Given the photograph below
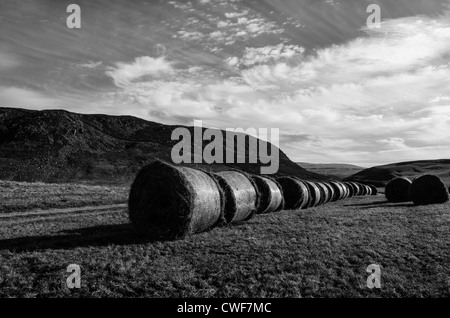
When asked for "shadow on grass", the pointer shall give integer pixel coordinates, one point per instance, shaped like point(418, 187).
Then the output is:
point(385, 204)
point(120, 234)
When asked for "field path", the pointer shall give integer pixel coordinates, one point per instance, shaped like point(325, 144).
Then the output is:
point(51, 214)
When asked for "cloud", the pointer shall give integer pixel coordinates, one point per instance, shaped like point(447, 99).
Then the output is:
point(26, 98)
point(91, 64)
point(125, 73)
point(8, 61)
point(382, 96)
point(266, 54)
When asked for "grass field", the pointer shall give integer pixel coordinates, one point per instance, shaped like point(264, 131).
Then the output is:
point(319, 252)
point(23, 196)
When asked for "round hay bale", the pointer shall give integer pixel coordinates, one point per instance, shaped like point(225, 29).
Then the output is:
point(338, 191)
point(271, 195)
point(356, 189)
point(241, 195)
point(428, 189)
point(295, 192)
point(397, 190)
point(353, 189)
point(324, 193)
point(346, 190)
point(168, 202)
point(315, 194)
point(361, 189)
point(367, 190)
point(374, 190)
point(330, 190)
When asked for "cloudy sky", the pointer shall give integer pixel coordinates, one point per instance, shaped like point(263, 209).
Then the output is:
point(338, 91)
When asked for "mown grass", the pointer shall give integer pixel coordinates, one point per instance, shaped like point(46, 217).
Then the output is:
point(319, 252)
point(23, 196)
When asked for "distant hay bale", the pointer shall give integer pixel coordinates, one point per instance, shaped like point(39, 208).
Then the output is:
point(271, 194)
point(374, 189)
point(367, 190)
point(353, 188)
point(428, 189)
point(295, 192)
point(168, 202)
point(339, 191)
point(346, 190)
point(330, 190)
point(315, 194)
point(397, 190)
point(324, 193)
point(357, 189)
point(241, 195)
point(362, 189)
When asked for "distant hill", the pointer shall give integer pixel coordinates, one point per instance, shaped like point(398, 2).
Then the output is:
point(57, 145)
point(332, 170)
point(380, 175)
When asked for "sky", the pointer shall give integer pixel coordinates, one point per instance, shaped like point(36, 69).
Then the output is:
point(338, 91)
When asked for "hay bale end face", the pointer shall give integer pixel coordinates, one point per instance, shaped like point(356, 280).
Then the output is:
point(428, 189)
point(241, 195)
point(295, 192)
point(271, 195)
point(168, 202)
point(397, 190)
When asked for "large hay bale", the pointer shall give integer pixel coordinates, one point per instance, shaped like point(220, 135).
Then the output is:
point(324, 193)
point(295, 192)
point(397, 190)
point(428, 189)
point(241, 195)
point(271, 194)
point(315, 194)
point(168, 202)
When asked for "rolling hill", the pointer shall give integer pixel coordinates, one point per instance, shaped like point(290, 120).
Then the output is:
point(380, 175)
point(60, 146)
point(332, 170)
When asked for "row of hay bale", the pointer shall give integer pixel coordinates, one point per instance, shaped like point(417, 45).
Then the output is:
point(302, 194)
point(167, 201)
point(423, 190)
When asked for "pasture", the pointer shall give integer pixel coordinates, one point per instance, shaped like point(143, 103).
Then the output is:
point(319, 252)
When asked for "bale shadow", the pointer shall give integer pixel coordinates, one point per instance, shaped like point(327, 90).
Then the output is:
point(119, 234)
point(377, 204)
point(369, 203)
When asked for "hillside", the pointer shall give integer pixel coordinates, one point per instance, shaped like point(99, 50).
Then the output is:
point(380, 175)
point(58, 146)
point(332, 170)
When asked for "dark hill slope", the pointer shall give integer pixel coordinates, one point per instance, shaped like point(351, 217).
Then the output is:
point(380, 175)
point(56, 146)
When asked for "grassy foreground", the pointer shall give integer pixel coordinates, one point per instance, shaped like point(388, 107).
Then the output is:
point(23, 196)
point(320, 252)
